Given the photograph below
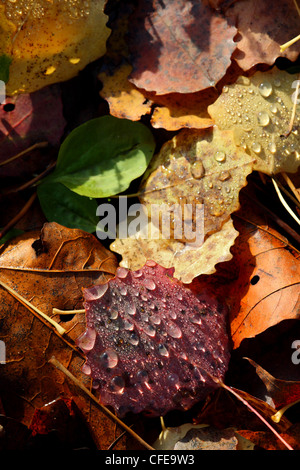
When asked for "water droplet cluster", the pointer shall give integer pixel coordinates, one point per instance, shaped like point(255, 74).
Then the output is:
point(18, 11)
point(259, 109)
point(151, 344)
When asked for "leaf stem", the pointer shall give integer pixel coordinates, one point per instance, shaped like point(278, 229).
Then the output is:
point(63, 369)
point(229, 389)
point(289, 43)
point(22, 299)
point(277, 416)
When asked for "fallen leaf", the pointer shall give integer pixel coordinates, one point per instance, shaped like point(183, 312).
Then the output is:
point(188, 33)
point(208, 439)
point(151, 344)
point(197, 168)
point(50, 42)
point(169, 436)
point(172, 112)
point(259, 109)
point(49, 269)
point(189, 191)
point(263, 26)
point(282, 392)
point(268, 280)
point(188, 262)
point(26, 120)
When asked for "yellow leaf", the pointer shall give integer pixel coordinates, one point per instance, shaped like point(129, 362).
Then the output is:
point(260, 110)
point(50, 41)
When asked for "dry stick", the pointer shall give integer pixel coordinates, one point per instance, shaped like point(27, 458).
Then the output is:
point(19, 216)
point(291, 186)
point(22, 299)
point(32, 181)
point(288, 194)
point(63, 369)
point(229, 389)
point(284, 203)
point(57, 311)
point(29, 149)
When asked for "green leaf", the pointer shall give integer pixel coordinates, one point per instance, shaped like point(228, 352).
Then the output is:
point(5, 62)
point(103, 156)
point(67, 208)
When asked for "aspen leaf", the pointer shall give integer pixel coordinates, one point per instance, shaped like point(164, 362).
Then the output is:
point(50, 41)
point(259, 109)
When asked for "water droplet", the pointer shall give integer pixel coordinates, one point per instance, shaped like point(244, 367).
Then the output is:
point(277, 82)
point(109, 359)
point(220, 157)
point(128, 325)
point(272, 147)
point(123, 290)
point(113, 314)
point(163, 350)
point(142, 376)
point(122, 272)
point(117, 384)
point(197, 170)
point(155, 319)
point(224, 176)
point(134, 339)
point(149, 284)
point(87, 340)
point(265, 89)
point(96, 292)
point(173, 315)
point(173, 379)
point(86, 369)
point(149, 330)
point(131, 309)
point(225, 89)
point(150, 263)
point(263, 118)
point(173, 330)
point(273, 108)
point(138, 273)
point(196, 319)
point(256, 147)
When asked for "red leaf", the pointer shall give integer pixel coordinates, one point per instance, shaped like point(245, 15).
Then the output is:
point(151, 343)
point(179, 46)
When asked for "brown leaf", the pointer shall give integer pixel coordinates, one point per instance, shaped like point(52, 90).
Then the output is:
point(179, 46)
point(49, 269)
point(282, 392)
point(263, 26)
point(268, 279)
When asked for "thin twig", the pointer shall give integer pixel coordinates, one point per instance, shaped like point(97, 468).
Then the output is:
point(284, 203)
point(63, 369)
point(291, 186)
point(19, 216)
point(32, 181)
point(24, 301)
point(24, 152)
point(257, 414)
